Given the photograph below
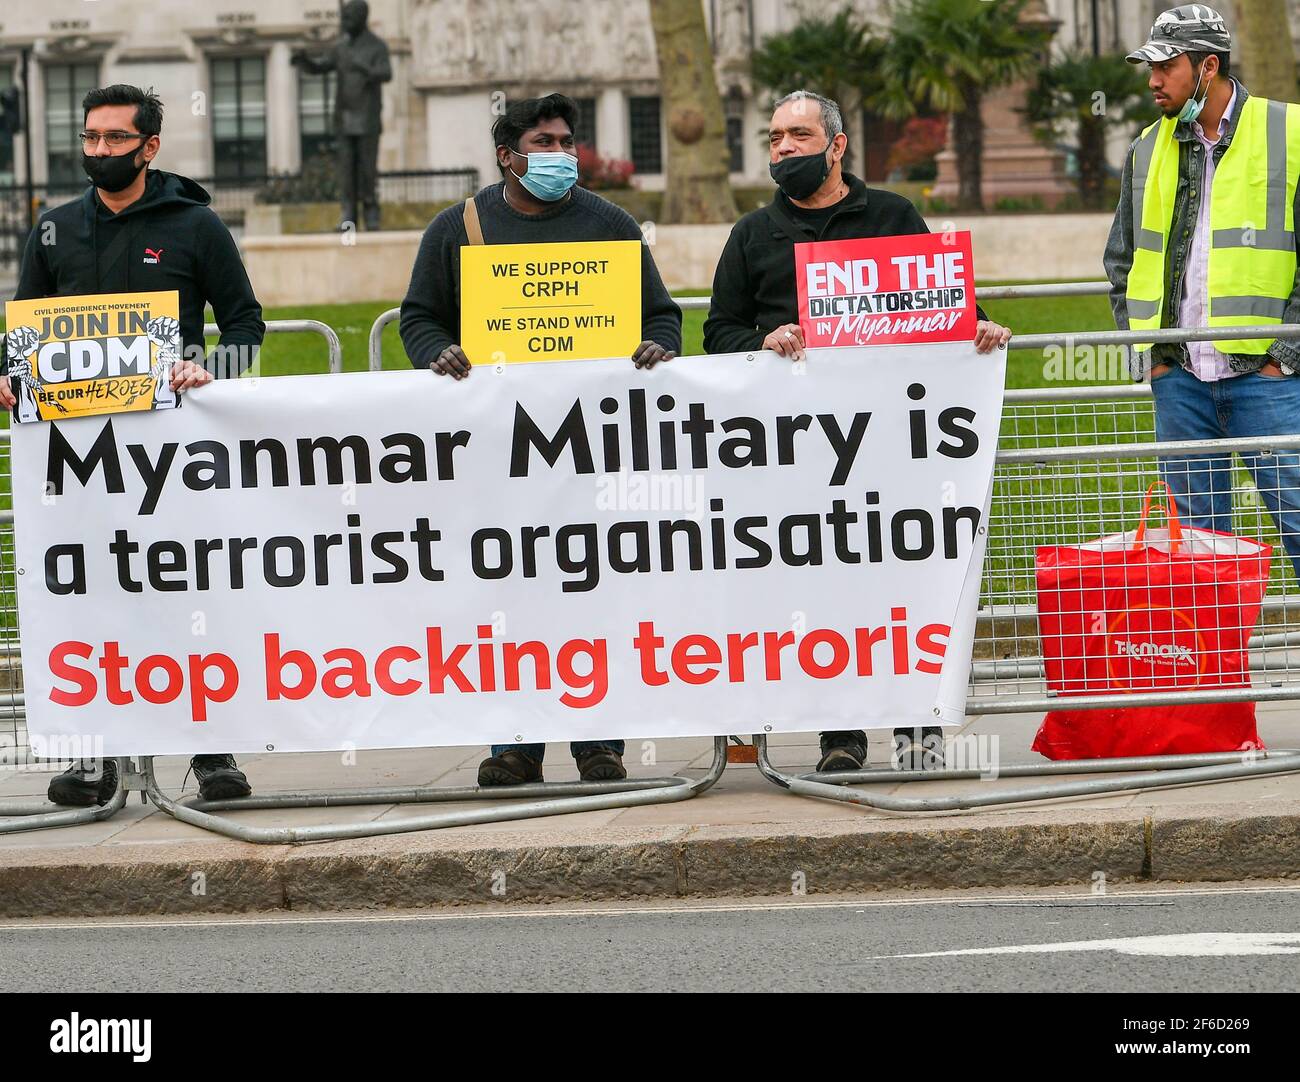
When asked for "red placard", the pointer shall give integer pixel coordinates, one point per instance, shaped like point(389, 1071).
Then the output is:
point(871, 292)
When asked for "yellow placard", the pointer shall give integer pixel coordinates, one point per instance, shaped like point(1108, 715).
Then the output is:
point(102, 353)
point(550, 302)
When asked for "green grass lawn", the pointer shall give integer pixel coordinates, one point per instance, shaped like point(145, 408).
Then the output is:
point(286, 354)
point(292, 354)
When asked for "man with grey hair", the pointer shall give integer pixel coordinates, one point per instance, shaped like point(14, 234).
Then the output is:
point(755, 301)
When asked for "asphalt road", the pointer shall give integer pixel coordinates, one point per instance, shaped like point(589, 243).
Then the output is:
point(1224, 938)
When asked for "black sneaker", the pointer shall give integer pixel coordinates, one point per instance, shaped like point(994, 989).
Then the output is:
point(509, 768)
point(219, 778)
point(843, 751)
point(918, 749)
point(601, 766)
point(84, 783)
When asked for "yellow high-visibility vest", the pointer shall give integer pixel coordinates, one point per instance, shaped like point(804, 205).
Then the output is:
point(1252, 258)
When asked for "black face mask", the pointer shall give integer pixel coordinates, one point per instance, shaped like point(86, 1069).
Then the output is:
point(801, 174)
point(112, 174)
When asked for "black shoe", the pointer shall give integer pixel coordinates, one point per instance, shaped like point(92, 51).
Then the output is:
point(84, 783)
point(509, 768)
point(601, 766)
point(918, 749)
point(843, 751)
point(219, 778)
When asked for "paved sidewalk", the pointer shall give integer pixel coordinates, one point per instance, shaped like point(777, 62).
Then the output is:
point(744, 836)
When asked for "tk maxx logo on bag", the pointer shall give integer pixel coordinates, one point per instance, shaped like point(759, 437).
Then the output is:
point(1154, 647)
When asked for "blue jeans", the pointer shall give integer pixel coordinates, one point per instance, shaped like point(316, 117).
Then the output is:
point(579, 748)
point(1247, 405)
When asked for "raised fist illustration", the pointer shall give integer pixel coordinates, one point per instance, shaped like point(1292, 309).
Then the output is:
point(165, 333)
point(22, 342)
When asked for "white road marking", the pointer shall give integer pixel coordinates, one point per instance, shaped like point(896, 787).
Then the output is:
point(534, 912)
point(1187, 945)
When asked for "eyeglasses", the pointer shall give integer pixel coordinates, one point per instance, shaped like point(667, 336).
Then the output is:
point(90, 139)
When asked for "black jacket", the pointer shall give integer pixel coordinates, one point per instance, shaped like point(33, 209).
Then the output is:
point(431, 311)
point(168, 239)
point(754, 289)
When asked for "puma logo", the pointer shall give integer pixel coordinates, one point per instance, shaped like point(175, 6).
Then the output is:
point(152, 256)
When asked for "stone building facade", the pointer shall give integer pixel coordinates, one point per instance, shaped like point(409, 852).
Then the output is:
point(237, 108)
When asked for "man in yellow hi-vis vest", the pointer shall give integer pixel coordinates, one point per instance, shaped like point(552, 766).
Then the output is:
point(1205, 236)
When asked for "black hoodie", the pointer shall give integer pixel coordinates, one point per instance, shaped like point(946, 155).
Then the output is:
point(169, 238)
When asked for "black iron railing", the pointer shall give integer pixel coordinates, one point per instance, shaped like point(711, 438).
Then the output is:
point(232, 197)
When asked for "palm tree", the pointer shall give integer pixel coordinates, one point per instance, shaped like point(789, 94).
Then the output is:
point(836, 57)
point(1089, 94)
point(945, 55)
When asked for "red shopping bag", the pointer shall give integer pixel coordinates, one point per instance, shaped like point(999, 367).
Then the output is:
point(1149, 610)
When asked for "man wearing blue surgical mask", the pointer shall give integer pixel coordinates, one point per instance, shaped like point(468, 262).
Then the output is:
point(537, 201)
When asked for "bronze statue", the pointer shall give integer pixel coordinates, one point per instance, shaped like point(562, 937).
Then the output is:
point(361, 60)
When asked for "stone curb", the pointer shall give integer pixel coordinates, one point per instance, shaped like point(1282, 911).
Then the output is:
point(1047, 848)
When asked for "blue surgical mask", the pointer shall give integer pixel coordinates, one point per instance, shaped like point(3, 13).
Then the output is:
point(1192, 106)
point(550, 174)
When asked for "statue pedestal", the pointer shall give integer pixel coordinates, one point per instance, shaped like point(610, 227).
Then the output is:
point(321, 268)
point(1016, 165)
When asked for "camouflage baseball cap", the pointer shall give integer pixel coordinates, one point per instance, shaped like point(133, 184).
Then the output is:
point(1192, 28)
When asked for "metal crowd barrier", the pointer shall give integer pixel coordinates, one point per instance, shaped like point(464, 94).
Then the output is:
point(1073, 464)
point(301, 326)
point(562, 798)
point(1044, 430)
point(701, 304)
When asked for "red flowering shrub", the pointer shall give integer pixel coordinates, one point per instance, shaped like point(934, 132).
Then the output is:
point(923, 137)
point(595, 172)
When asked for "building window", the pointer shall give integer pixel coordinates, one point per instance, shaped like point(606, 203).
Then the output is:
point(65, 87)
point(736, 143)
point(239, 117)
point(585, 133)
point(316, 113)
point(8, 98)
point(735, 116)
point(647, 140)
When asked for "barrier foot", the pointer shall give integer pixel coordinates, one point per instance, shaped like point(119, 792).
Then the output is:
point(1154, 772)
point(45, 815)
point(563, 798)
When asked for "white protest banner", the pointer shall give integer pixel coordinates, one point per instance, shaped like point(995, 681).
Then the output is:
point(564, 551)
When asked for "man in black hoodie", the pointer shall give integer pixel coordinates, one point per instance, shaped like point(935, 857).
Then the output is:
point(755, 303)
point(140, 230)
point(537, 201)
